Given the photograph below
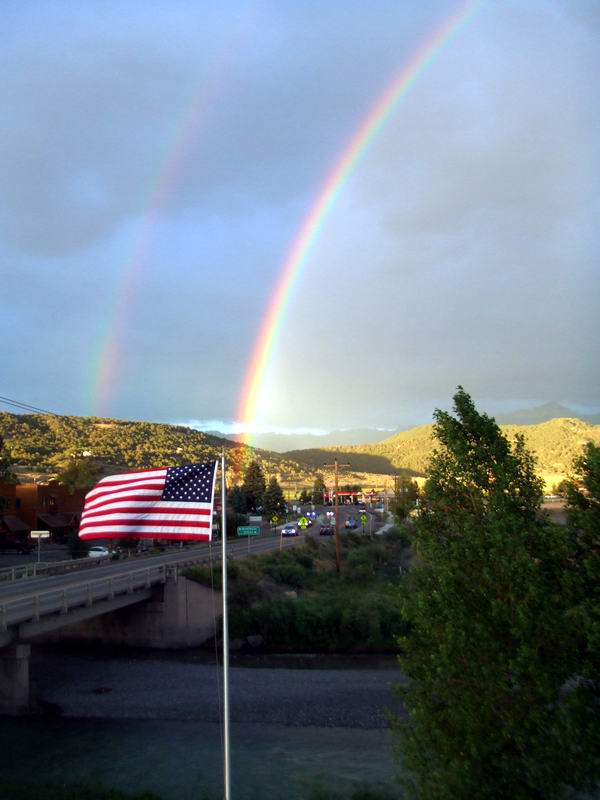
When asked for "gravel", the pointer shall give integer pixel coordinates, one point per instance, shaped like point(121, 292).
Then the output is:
point(106, 687)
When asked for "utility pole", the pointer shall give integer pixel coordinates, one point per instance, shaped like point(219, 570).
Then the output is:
point(338, 544)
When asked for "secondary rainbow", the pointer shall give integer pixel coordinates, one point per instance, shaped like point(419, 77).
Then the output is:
point(314, 220)
point(106, 363)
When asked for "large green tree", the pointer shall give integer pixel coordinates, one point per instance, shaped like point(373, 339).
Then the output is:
point(406, 494)
point(274, 500)
point(583, 507)
point(79, 473)
point(495, 704)
point(254, 486)
point(6, 471)
point(318, 490)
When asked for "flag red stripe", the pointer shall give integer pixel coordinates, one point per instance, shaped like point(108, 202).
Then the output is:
point(101, 491)
point(135, 522)
point(112, 498)
point(202, 537)
point(144, 510)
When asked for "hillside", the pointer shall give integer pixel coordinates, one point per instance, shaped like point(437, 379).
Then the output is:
point(555, 445)
point(40, 442)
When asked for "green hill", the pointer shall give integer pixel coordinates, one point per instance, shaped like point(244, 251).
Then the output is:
point(40, 442)
point(555, 445)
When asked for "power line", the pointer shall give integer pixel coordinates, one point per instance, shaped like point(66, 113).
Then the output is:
point(26, 406)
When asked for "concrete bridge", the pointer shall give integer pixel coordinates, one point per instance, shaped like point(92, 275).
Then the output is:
point(143, 602)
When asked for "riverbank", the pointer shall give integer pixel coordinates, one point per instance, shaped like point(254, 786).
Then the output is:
point(349, 692)
point(147, 721)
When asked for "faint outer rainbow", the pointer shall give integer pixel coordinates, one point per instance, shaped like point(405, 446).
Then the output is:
point(313, 223)
point(106, 363)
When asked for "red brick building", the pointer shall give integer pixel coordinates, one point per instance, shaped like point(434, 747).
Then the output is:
point(50, 507)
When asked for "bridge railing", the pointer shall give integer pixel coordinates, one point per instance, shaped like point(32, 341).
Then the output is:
point(62, 600)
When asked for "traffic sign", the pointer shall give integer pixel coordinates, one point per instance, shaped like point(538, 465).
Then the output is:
point(303, 523)
point(40, 534)
point(363, 519)
point(248, 530)
point(274, 519)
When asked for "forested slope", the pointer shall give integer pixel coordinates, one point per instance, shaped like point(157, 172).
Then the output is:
point(42, 442)
point(555, 445)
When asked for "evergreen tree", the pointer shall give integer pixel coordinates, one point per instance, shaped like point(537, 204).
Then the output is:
point(254, 486)
point(583, 507)
point(274, 500)
point(82, 473)
point(318, 490)
point(496, 708)
point(406, 494)
point(6, 471)
point(304, 496)
point(236, 499)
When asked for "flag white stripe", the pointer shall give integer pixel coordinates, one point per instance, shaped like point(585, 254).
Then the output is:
point(132, 477)
point(158, 504)
point(103, 529)
point(152, 515)
point(156, 483)
point(101, 499)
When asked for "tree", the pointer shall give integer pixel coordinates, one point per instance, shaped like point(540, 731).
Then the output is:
point(81, 473)
point(76, 547)
point(237, 499)
point(6, 471)
point(254, 486)
point(274, 500)
point(495, 706)
point(406, 495)
point(318, 490)
point(583, 509)
point(304, 496)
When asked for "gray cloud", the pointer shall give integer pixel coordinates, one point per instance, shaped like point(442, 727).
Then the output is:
point(462, 249)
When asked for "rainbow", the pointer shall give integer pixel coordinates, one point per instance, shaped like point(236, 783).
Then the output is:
point(313, 222)
point(105, 364)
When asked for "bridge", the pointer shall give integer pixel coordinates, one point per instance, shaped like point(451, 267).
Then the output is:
point(159, 607)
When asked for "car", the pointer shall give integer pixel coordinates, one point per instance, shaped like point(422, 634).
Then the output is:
point(289, 530)
point(351, 523)
point(326, 530)
point(98, 552)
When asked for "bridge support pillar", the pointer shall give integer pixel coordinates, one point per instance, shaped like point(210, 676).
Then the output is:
point(14, 679)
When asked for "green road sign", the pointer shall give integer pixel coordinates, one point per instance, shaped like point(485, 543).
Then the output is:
point(248, 530)
point(274, 519)
point(303, 522)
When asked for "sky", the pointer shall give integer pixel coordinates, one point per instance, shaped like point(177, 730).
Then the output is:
point(157, 161)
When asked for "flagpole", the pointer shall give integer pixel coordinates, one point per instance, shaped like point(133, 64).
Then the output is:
point(225, 632)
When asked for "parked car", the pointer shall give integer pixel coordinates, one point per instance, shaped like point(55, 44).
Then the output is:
point(351, 523)
point(326, 530)
point(98, 552)
point(289, 530)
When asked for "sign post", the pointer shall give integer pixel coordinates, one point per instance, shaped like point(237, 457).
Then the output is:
point(39, 535)
point(363, 519)
point(248, 531)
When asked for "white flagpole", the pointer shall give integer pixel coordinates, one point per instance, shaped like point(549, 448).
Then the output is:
point(225, 632)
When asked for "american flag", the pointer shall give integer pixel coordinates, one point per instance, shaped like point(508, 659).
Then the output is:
point(171, 503)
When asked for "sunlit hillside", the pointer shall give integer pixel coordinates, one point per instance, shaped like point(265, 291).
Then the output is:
point(40, 443)
point(555, 445)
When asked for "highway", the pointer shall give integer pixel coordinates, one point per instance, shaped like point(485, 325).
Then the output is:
point(62, 586)
point(29, 601)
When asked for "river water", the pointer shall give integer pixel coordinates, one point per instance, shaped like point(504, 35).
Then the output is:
point(147, 721)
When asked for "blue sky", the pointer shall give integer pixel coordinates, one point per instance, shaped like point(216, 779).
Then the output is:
point(464, 248)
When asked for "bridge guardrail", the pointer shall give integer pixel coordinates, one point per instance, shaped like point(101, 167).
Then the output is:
point(63, 599)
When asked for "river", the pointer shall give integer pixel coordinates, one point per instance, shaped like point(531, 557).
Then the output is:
point(136, 721)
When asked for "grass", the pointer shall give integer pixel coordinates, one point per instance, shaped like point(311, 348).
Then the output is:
point(297, 602)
